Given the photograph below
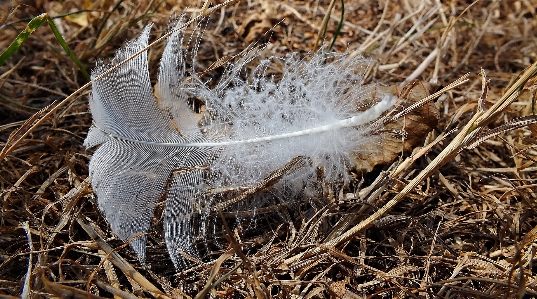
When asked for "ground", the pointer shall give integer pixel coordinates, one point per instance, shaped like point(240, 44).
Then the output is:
point(449, 213)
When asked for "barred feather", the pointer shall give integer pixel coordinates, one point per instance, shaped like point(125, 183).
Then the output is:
point(317, 110)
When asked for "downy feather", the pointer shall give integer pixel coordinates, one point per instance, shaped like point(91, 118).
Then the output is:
point(317, 109)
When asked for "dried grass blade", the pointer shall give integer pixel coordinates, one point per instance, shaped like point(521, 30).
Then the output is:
point(259, 291)
point(324, 26)
point(443, 41)
point(26, 291)
point(115, 291)
point(291, 167)
point(512, 125)
point(485, 86)
point(463, 79)
point(64, 291)
point(16, 136)
point(508, 97)
point(209, 285)
point(119, 262)
point(446, 155)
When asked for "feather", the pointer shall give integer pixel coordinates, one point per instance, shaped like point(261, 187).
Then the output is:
point(317, 109)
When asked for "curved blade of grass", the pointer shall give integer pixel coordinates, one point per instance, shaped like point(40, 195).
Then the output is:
point(16, 44)
point(338, 29)
point(65, 47)
point(32, 26)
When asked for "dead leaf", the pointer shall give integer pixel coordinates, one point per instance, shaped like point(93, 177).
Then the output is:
point(405, 133)
point(80, 19)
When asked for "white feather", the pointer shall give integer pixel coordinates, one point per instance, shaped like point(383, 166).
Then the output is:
point(317, 109)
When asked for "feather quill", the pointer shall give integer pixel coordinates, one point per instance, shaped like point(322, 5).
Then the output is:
point(249, 130)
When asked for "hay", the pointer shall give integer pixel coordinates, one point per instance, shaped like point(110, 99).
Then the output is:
point(452, 218)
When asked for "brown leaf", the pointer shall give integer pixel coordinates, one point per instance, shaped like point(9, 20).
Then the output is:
point(404, 133)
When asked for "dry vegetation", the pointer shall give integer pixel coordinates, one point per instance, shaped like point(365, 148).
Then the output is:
point(452, 216)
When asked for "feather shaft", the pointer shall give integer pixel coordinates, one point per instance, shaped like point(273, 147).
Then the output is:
point(357, 120)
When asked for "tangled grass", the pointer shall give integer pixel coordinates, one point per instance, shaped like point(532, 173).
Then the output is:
point(451, 216)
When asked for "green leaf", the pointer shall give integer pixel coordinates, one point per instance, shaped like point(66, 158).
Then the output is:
point(16, 44)
point(65, 47)
point(341, 20)
point(30, 28)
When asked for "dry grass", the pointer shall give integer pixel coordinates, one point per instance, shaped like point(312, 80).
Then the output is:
point(453, 218)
